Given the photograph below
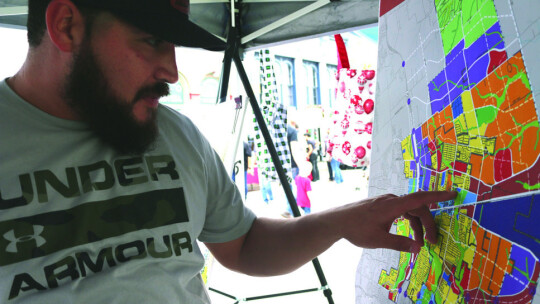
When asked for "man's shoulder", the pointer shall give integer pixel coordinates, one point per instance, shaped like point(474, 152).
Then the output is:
point(168, 117)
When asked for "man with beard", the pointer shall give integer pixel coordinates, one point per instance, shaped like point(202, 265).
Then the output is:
point(104, 192)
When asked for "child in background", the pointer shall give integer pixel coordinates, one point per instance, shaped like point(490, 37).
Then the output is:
point(303, 187)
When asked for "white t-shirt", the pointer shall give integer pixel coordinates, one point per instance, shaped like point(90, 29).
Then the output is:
point(80, 223)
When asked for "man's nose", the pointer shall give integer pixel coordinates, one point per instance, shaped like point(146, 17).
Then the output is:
point(167, 70)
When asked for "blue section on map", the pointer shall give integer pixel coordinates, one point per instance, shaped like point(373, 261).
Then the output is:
point(412, 184)
point(470, 197)
point(426, 160)
point(515, 219)
point(456, 71)
point(494, 37)
point(443, 178)
point(416, 138)
point(523, 263)
point(457, 107)
point(478, 49)
point(477, 56)
point(438, 92)
point(446, 277)
point(478, 71)
point(464, 68)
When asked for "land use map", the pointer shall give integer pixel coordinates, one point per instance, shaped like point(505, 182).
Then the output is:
point(458, 105)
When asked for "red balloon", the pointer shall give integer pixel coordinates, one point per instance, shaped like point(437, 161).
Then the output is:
point(369, 74)
point(368, 106)
point(360, 152)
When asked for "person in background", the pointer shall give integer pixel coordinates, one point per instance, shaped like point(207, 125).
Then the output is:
point(312, 156)
point(106, 192)
point(328, 155)
point(338, 176)
point(294, 146)
point(303, 187)
point(248, 165)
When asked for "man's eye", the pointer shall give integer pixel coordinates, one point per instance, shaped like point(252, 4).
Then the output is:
point(155, 42)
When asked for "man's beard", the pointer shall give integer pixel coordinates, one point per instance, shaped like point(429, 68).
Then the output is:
point(110, 117)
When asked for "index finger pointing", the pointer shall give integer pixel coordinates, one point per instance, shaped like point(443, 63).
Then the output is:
point(416, 200)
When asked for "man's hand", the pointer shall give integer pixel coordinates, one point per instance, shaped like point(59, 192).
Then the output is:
point(367, 223)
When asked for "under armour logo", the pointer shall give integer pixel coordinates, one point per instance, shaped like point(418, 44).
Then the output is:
point(14, 240)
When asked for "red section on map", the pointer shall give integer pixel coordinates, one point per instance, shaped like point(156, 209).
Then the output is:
point(466, 276)
point(387, 5)
point(496, 58)
point(513, 185)
point(460, 166)
point(473, 187)
point(502, 165)
point(432, 147)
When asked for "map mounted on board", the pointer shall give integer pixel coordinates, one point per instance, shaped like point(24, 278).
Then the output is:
point(458, 102)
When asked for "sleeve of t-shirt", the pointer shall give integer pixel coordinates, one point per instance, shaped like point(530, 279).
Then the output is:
point(226, 216)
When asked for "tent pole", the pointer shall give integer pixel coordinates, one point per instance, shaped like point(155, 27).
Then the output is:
point(277, 163)
point(232, 53)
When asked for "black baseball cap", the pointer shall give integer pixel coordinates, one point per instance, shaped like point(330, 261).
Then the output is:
point(166, 19)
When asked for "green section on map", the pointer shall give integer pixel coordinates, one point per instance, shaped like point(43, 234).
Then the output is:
point(467, 19)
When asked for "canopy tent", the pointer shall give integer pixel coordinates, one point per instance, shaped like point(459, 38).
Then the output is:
point(262, 22)
point(255, 24)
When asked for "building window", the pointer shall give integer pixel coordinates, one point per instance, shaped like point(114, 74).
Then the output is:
point(312, 82)
point(285, 80)
point(210, 86)
point(331, 74)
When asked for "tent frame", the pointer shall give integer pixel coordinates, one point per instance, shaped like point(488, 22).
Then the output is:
point(233, 53)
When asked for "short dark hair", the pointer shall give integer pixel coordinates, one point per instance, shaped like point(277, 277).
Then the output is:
point(36, 21)
point(36, 24)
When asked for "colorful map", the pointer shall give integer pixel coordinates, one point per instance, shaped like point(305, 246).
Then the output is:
point(458, 109)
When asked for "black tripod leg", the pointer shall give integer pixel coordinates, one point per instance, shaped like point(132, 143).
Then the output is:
point(277, 162)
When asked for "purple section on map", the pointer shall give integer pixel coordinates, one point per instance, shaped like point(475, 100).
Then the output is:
point(416, 138)
point(478, 71)
point(438, 93)
point(464, 69)
point(475, 51)
point(456, 72)
point(425, 156)
point(494, 37)
point(455, 52)
point(427, 178)
point(520, 225)
point(477, 56)
point(524, 261)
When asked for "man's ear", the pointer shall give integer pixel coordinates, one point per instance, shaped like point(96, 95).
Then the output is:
point(65, 24)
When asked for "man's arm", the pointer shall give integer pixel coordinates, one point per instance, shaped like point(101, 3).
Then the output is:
point(278, 246)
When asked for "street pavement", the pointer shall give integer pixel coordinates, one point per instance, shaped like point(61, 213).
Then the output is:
point(339, 263)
